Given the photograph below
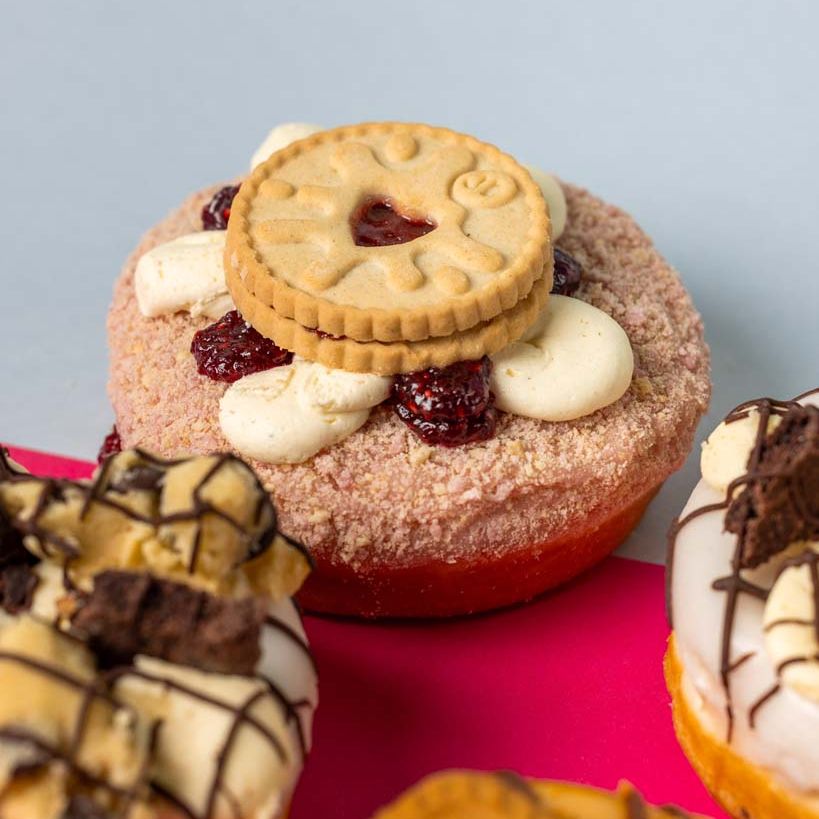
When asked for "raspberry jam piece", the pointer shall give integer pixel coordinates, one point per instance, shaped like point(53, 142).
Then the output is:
point(111, 445)
point(322, 334)
point(376, 223)
point(448, 406)
point(230, 349)
point(451, 432)
point(458, 391)
point(568, 273)
point(216, 213)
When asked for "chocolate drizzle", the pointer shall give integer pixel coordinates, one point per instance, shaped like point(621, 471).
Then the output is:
point(294, 637)
point(673, 810)
point(129, 614)
point(627, 795)
point(143, 477)
point(810, 559)
point(255, 545)
point(100, 690)
point(636, 807)
point(91, 692)
point(762, 469)
point(224, 753)
point(7, 468)
point(514, 781)
point(241, 717)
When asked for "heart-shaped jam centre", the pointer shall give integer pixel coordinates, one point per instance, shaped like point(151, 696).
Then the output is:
point(376, 223)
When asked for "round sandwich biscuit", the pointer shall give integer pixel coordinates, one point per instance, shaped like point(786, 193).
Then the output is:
point(388, 358)
point(389, 232)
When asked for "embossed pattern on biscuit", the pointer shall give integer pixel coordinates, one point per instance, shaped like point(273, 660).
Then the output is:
point(291, 234)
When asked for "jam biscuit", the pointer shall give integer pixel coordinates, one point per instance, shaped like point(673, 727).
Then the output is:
point(460, 235)
point(388, 358)
point(506, 795)
point(743, 662)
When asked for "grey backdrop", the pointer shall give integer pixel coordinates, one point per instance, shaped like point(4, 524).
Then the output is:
point(700, 118)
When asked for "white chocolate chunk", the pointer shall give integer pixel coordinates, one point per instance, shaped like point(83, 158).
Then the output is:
point(790, 629)
point(280, 137)
point(573, 361)
point(555, 199)
point(184, 274)
point(288, 414)
point(725, 453)
point(49, 591)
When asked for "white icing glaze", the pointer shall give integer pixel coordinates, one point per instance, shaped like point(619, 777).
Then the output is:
point(573, 361)
point(184, 274)
point(555, 199)
point(288, 414)
point(280, 137)
point(783, 737)
point(194, 731)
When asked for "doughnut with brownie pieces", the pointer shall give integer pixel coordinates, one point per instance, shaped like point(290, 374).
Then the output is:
point(152, 661)
point(743, 661)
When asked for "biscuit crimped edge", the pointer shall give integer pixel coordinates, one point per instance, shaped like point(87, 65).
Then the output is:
point(453, 314)
point(383, 358)
point(740, 786)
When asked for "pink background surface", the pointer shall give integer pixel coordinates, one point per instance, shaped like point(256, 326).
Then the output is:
point(569, 687)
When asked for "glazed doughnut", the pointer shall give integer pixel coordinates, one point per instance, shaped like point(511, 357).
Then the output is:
point(466, 489)
point(743, 662)
point(152, 661)
point(506, 795)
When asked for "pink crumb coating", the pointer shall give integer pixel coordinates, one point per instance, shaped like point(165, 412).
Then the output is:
point(381, 497)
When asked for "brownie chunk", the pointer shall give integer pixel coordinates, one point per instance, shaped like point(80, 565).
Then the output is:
point(17, 580)
point(17, 585)
point(81, 807)
point(131, 613)
point(780, 503)
point(12, 551)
